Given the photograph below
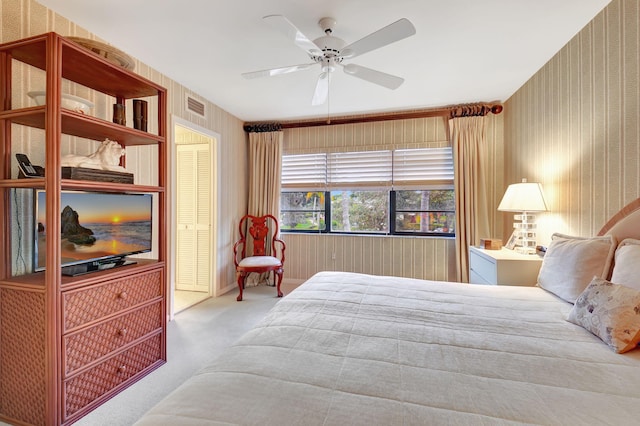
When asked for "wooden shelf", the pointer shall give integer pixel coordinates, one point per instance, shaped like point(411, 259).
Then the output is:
point(87, 185)
point(83, 126)
point(36, 280)
point(81, 185)
point(84, 67)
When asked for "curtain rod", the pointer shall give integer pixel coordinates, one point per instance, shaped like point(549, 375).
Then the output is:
point(465, 110)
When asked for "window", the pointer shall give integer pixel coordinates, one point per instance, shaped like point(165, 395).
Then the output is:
point(360, 211)
point(404, 192)
point(303, 211)
point(420, 212)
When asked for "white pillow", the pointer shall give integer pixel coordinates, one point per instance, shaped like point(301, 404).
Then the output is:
point(611, 312)
point(626, 268)
point(571, 262)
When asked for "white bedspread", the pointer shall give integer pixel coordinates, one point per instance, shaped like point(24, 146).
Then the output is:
point(352, 349)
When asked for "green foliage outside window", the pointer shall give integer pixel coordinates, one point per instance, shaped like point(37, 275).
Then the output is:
point(425, 211)
point(416, 212)
point(302, 211)
point(360, 211)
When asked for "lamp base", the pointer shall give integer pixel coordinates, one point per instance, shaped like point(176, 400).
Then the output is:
point(525, 233)
point(525, 250)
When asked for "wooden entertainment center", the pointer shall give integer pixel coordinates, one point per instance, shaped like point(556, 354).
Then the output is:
point(67, 344)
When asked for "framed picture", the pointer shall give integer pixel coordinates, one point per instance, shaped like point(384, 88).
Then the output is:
point(511, 243)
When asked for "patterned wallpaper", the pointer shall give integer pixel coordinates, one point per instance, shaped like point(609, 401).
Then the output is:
point(24, 18)
point(575, 125)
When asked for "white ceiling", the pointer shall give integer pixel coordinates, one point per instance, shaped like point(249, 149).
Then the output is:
point(463, 51)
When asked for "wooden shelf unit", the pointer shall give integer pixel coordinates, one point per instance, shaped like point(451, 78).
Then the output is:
point(67, 344)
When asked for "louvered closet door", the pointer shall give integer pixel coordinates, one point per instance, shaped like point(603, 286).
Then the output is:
point(193, 269)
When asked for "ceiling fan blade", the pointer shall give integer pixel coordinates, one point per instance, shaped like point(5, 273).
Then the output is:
point(284, 26)
point(276, 71)
point(322, 89)
point(377, 77)
point(399, 30)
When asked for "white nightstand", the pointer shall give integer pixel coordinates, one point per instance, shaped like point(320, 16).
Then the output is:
point(503, 267)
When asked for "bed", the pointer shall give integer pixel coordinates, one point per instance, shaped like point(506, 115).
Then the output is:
point(346, 348)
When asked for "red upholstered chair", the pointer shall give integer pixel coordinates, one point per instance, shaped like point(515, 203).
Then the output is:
point(258, 250)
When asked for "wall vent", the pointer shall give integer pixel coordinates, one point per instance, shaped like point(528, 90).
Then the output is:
point(195, 106)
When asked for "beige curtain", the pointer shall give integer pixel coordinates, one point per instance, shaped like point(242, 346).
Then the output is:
point(265, 169)
point(265, 164)
point(468, 141)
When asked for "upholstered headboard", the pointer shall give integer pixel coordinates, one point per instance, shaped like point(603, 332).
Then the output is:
point(625, 223)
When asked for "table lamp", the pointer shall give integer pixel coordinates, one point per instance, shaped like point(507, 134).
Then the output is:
point(524, 197)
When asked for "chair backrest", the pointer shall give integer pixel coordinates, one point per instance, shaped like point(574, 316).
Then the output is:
point(259, 237)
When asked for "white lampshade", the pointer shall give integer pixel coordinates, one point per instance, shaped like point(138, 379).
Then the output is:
point(523, 197)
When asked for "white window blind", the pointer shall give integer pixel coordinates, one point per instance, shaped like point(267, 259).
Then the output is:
point(305, 171)
point(371, 169)
point(356, 169)
point(413, 167)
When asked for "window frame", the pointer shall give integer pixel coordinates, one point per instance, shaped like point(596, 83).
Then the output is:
point(391, 200)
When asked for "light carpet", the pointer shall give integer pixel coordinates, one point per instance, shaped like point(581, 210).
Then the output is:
point(194, 338)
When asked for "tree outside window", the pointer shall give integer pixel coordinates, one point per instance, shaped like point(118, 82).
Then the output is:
point(302, 211)
point(425, 211)
point(360, 211)
point(408, 212)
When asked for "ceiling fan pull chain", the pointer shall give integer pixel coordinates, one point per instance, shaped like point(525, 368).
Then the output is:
point(328, 98)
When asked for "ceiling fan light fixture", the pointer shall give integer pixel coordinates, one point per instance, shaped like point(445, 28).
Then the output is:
point(328, 65)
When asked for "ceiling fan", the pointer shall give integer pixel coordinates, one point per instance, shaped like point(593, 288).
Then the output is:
point(330, 51)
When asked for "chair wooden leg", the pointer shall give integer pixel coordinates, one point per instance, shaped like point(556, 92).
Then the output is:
point(240, 286)
point(279, 274)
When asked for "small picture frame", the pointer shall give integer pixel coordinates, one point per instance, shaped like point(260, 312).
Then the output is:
point(511, 243)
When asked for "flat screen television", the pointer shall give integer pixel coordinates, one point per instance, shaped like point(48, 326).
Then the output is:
point(98, 229)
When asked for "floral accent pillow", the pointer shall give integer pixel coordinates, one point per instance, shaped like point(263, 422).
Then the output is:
point(611, 312)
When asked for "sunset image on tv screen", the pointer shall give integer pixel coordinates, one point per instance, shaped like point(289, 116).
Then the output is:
point(97, 225)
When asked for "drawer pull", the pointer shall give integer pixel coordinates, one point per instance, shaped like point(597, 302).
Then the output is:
point(122, 369)
point(122, 332)
point(122, 295)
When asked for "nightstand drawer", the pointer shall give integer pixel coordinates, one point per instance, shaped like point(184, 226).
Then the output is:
point(484, 269)
point(474, 278)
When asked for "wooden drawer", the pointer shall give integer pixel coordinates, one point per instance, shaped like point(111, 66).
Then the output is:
point(81, 348)
point(482, 269)
point(87, 387)
point(92, 303)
